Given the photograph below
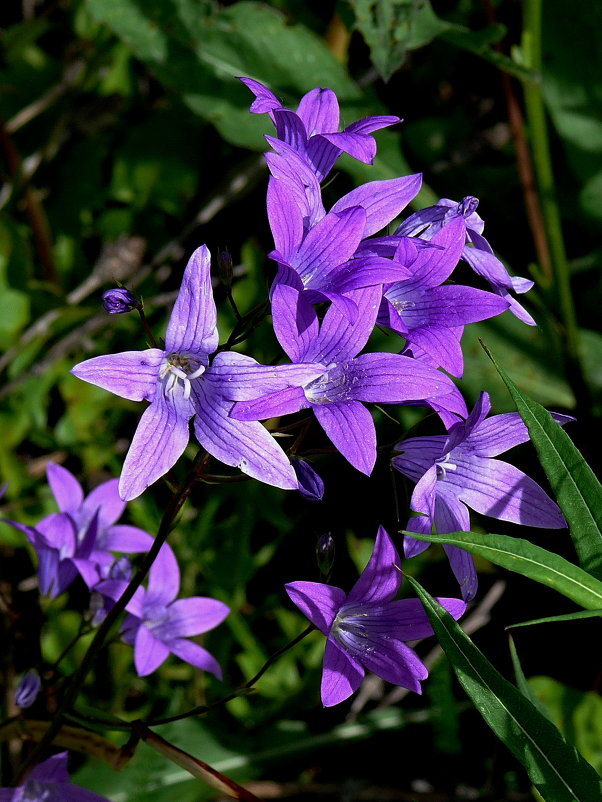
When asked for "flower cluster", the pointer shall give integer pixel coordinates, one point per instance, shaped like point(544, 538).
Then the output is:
point(83, 539)
point(339, 273)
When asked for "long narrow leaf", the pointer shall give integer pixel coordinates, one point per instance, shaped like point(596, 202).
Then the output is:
point(555, 619)
point(555, 768)
point(578, 491)
point(532, 561)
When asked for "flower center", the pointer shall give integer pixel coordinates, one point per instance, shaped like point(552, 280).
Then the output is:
point(443, 465)
point(179, 370)
point(358, 627)
point(402, 305)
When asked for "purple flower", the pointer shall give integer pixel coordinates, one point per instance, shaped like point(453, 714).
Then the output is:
point(81, 537)
point(366, 629)
point(431, 316)
point(28, 688)
point(119, 300)
point(320, 263)
point(49, 782)
point(180, 383)
point(477, 251)
point(313, 130)
point(159, 624)
point(457, 471)
point(346, 380)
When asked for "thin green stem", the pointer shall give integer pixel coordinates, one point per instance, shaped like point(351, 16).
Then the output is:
point(146, 327)
point(242, 690)
point(538, 134)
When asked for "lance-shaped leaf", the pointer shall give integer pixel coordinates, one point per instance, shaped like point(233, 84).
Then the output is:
point(532, 561)
point(578, 491)
point(555, 768)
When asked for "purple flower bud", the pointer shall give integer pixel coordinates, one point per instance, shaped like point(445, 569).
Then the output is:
point(311, 486)
point(119, 300)
point(28, 689)
point(325, 554)
point(468, 205)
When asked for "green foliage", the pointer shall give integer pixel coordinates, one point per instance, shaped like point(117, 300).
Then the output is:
point(556, 769)
point(531, 561)
point(577, 489)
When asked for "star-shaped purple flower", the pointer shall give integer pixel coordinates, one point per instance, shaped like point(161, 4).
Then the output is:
point(427, 314)
point(159, 623)
point(366, 629)
point(458, 470)
point(336, 396)
point(180, 383)
point(477, 250)
point(81, 537)
point(313, 130)
point(320, 262)
point(49, 782)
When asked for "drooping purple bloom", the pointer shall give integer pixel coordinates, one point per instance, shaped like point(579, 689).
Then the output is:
point(180, 383)
point(119, 300)
point(367, 629)
point(336, 396)
point(49, 782)
point(313, 130)
point(458, 470)
point(427, 314)
point(83, 535)
point(28, 689)
point(158, 623)
point(477, 250)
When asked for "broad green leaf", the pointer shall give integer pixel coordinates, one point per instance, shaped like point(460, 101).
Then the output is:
point(392, 27)
point(556, 769)
point(577, 489)
point(532, 561)
point(577, 714)
point(198, 51)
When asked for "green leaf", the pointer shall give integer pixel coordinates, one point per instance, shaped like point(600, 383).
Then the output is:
point(478, 42)
point(392, 27)
point(198, 51)
point(577, 714)
point(522, 682)
point(577, 489)
point(556, 769)
point(553, 619)
point(532, 561)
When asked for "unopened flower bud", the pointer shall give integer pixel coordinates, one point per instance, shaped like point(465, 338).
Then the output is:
point(119, 300)
point(311, 485)
point(325, 554)
point(28, 689)
point(224, 268)
point(468, 205)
